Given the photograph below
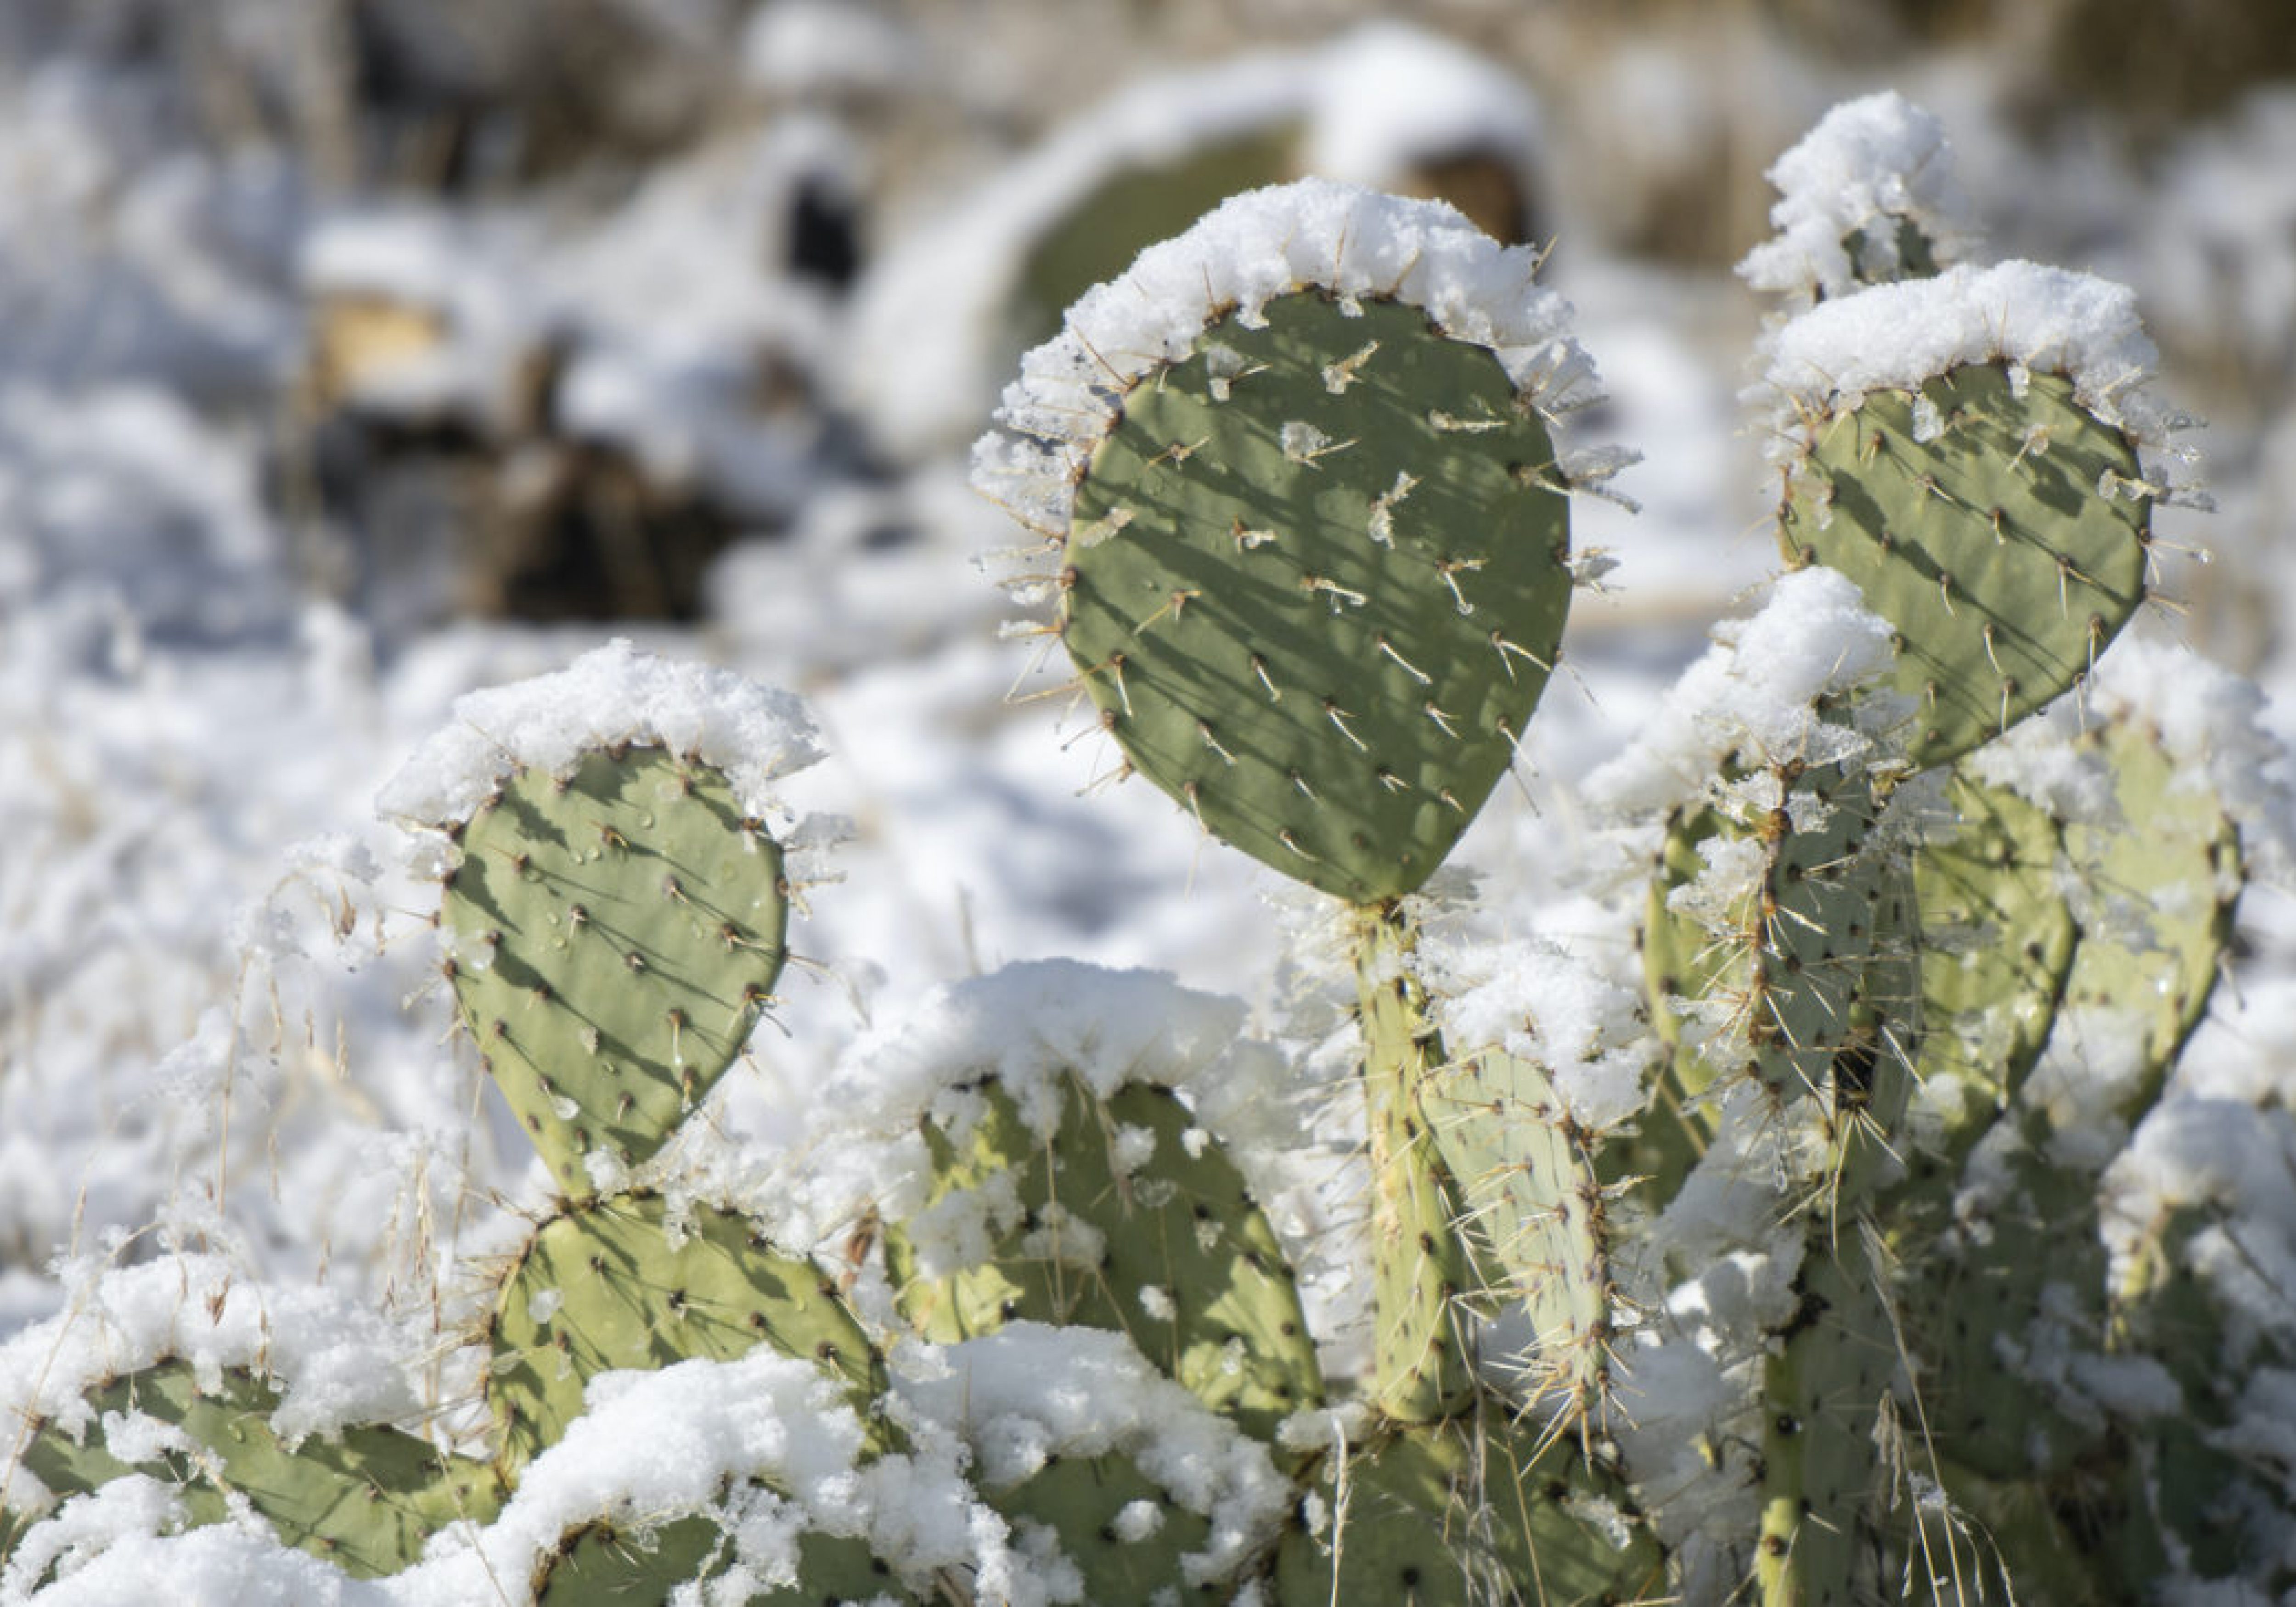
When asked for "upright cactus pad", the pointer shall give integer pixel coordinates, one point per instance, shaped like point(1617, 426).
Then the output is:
point(1527, 1177)
point(2162, 884)
point(1423, 1271)
point(1796, 905)
point(616, 933)
point(1997, 948)
point(610, 1284)
point(1317, 581)
point(1979, 516)
point(1825, 1381)
point(1131, 1219)
point(367, 1499)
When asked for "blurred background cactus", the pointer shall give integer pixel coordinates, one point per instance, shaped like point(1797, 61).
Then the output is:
point(364, 356)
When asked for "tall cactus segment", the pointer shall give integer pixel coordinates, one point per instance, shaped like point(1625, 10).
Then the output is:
point(1524, 1172)
point(1422, 1367)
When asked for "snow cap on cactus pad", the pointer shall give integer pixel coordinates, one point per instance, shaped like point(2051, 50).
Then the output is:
point(1967, 449)
point(616, 908)
point(1865, 197)
point(616, 695)
point(1770, 689)
point(1307, 522)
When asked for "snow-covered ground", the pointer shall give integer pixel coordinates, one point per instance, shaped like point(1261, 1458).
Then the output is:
point(262, 392)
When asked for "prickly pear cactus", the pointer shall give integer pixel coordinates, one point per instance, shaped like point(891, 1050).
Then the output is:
point(1909, 1271)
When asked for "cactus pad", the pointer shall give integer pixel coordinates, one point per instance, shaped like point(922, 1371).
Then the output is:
point(608, 1285)
point(2162, 884)
point(1474, 1510)
point(1527, 1178)
point(1805, 919)
point(1825, 1384)
point(1981, 520)
point(1421, 1268)
point(616, 934)
point(1092, 1502)
point(366, 1501)
point(1317, 577)
point(1997, 948)
point(1131, 1219)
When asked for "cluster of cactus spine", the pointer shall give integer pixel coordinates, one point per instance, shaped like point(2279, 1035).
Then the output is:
point(1311, 563)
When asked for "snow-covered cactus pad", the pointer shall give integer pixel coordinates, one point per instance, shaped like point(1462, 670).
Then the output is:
point(1124, 1216)
point(605, 960)
point(616, 898)
point(618, 1283)
point(1308, 526)
point(1982, 513)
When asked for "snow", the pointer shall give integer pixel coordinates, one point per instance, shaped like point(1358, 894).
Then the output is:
point(756, 735)
point(334, 1360)
point(1869, 164)
point(1753, 692)
point(2028, 316)
point(1352, 242)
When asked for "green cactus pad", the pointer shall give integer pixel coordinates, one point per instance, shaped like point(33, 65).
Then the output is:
point(1992, 546)
point(616, 935)
point(1681, 960)
point(2212, 1498)
point(607, 1285)
point(601, 1565)
point(366, 1501)
point(2165, 881)
point(1087, 1501)
point(1999, 940)
point(1527, 1178)
point(1134, 1220)
point(1472, 1511)
point(1317, 577)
